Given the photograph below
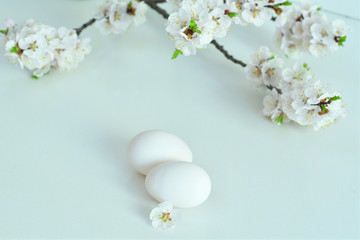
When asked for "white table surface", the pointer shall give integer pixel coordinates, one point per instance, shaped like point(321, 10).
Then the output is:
point(63, 166)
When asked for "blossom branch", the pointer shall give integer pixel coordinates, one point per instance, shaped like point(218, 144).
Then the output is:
point(85, 25)
point(219, 47)
point(226, 53)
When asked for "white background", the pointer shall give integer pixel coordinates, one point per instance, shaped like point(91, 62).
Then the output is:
point(63, 166)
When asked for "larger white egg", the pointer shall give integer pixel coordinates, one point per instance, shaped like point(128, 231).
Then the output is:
point(185, 185)
point(151, 148)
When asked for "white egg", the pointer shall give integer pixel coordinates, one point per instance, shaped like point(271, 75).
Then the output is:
point(184, 184)
point(151, 148)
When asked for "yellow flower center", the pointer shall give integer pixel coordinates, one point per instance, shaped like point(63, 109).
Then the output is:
point(324, 33)
point(33, 46)
point(238, 5)
point(270, 72)
point(117, 16)
point(257, 72)
point(255, 12)
point(189, 33)
point(166, 217)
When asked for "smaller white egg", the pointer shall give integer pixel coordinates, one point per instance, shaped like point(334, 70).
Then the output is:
point(151, 148)
point(185, 185)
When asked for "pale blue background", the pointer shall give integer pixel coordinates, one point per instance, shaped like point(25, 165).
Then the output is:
point(63, 170)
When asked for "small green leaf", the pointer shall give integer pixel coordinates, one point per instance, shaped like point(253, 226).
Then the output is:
point(272, 58)
point(35, 77)
point(4, 31)
point(279, 119)
point(14, 49)
point(232, 14)
point(287, 3)
point(341, 41)
point(176, 53)
point(335, 98)
point(323, 108)
point(306, 66)
point(130, 4)
point(318, 9)
point(193, 25)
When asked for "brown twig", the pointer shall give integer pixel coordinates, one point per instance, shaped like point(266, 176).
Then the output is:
point(323, 104)
point(272, 87)
point(156, 8)
point(226, 53)
point(85, 25)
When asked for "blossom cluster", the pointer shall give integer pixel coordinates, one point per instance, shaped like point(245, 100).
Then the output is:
point(193, 24)
point(305, 28)
point(115, 16)
point(39, 47)
point(257, 12)
point(295, 93)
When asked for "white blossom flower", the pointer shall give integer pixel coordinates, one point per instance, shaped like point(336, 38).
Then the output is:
point(340, 28)
point(323, 40)
point(306, 28)
point(272, 71)
point(235, 6)
point(255, 12)
point(163, 216)
point(264, 68)
point(115, 16)
point(322, 31)
point(191, 27)
point(223, 14)
point(273, 107)
point(70, 50)
point(296, 77)
point(39, 47)
point(286, 105)
point(287, 17)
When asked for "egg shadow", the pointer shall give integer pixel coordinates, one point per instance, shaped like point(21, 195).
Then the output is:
point(130, 181)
